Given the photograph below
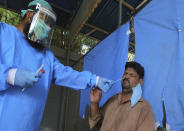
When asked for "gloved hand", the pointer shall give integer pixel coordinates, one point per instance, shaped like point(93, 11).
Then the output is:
point(103, 83)
point(136, 96)
point(25, 78)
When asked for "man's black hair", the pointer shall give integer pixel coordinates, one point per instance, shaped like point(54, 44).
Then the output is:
point(137, 67)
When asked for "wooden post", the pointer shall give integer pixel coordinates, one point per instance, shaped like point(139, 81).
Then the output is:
point(85, 11)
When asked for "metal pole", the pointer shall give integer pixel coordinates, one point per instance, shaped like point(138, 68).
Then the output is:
point(68, 54)
point(6, 3)
point(120, 13)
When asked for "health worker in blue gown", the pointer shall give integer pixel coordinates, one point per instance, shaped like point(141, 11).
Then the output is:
point(24, 51)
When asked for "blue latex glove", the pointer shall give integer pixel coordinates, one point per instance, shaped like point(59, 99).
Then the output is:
point(103, 83)
point(25, 78)
point(136, 96)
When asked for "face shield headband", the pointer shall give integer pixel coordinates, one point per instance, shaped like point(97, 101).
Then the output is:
point(41, 29)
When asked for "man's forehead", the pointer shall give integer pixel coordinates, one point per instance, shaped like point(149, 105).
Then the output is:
point(131, 70)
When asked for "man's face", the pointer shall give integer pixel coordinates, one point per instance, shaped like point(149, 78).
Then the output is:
point(130, 79)
point(28, 20)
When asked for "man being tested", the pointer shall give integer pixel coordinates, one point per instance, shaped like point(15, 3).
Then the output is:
point(126, 111)
point(23, 49)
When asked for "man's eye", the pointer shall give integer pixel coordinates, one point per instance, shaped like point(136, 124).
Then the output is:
point(132, 75)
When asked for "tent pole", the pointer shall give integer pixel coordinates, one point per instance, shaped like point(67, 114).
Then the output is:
point(120, 13)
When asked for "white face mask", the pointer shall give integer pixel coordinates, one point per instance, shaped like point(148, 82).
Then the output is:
point(137, 94)
point(41, 28)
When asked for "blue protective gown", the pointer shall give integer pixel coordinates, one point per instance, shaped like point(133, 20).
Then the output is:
point(22, 111)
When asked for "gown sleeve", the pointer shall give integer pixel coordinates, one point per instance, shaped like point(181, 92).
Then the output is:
point(3, 53)
point(3, 76)
point(68, 77)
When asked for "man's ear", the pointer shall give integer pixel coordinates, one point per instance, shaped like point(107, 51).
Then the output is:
point(141, 81)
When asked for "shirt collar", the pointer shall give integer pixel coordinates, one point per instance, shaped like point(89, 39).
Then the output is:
point(120, 98)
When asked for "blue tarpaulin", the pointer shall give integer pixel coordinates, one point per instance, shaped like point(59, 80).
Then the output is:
point(107, 60)
point(160, 49)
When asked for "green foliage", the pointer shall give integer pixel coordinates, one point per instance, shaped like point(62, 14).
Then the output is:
point(78, 47)
point(60, 37)
point(9, 17)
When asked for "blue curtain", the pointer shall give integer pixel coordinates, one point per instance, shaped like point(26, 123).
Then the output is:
point(160, 49)
point(107, 60)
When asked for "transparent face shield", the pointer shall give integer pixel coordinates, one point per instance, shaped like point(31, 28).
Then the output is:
point(41, 28)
